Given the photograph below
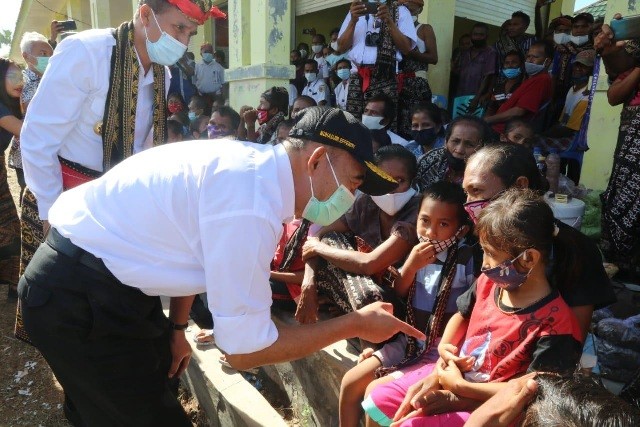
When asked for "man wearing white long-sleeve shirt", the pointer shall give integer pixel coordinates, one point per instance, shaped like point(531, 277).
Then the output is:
point(178, 220)
point(101, 99)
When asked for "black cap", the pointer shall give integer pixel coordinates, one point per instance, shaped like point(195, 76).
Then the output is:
point(337, 128)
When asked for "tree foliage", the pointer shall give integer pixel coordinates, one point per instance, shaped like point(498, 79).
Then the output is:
point(5, 37)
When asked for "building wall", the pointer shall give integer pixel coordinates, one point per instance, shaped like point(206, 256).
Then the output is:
point(323, 21)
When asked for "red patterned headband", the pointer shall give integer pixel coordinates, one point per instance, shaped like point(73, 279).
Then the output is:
point(194, 12)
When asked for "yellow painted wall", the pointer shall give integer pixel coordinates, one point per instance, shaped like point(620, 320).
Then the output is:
point(323, 21)
point(604, 123)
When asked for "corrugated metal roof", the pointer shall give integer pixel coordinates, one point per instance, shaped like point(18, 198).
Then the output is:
point(597, 9)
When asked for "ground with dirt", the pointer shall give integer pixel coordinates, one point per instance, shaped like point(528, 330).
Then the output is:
point(29, 393)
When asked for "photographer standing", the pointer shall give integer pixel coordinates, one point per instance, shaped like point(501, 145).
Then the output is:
point(378, 34)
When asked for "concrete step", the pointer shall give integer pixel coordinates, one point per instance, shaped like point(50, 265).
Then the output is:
point(223, 393)
point(313, 383)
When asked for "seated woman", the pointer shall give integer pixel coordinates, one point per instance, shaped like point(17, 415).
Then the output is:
point(345, 259)
point(427, 129)
point(510, 78)
point(579, 274)
point(465, 135)
point(509, 322)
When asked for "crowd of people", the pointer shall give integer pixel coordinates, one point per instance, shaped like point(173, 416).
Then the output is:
point(383, 203)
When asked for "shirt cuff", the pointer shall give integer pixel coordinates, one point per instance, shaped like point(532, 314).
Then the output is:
point(245, 334)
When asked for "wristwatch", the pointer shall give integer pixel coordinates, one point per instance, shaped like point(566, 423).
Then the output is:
point(178, 326)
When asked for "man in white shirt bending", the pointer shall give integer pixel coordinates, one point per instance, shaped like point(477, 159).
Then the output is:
point(179, 220)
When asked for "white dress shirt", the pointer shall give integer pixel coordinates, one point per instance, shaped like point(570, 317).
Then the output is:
point(209, 77)
point(185, 218)
point(342, 90)
point(318, 90)
point(361, 54)
point(67, 105)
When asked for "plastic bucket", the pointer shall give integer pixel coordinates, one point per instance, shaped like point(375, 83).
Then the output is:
point(571, 213)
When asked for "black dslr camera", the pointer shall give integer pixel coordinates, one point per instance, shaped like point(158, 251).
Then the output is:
point(372, 39)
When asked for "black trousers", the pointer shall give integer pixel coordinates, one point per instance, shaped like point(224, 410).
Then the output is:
point(107, 343)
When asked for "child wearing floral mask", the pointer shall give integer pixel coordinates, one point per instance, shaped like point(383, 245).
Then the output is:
point(511, 321)
point(439, 269)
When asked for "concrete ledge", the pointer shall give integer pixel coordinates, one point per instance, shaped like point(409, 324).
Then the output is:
point(225, 396)
point(313, 383)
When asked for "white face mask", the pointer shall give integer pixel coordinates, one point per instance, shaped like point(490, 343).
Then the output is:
point(303, 53)
point(311, 77)
point(372, 122)
point(392, 203)
point(334, 45)
point(561, 38)
point(316, 48)
point(579, 40)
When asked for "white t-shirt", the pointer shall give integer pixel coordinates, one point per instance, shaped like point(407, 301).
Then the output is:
point(361, 54)
point(68, 104)
point(190, 217)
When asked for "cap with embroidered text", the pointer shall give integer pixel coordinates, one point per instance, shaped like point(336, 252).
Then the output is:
point(337, 128)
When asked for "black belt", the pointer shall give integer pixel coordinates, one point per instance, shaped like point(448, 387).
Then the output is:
point(64, 246)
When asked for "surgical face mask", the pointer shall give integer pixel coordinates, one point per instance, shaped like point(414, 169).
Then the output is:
point(511, 73)
point(392, 203)
point(474, 208)
point(207, 57)
point(561, 38)
point(316, 48)
point(334, 45)
point(303, 53)
point(311, 77)
point(41, 63)
point(506, 276)
point(343, 73)
point(533, 69)
point(263, 116)
point(214, 132)
point(166, 50)
point(579, 40)
point(328, 211)
point(441, 245)
point(192, 116)
point(372, 122)
point(425, 136)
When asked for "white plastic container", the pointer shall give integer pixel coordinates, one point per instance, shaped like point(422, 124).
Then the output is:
point(571, 213)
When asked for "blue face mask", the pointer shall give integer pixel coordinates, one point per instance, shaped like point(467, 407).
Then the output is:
point(343, 73)
point(505, 275)
point(192, 116)
point(207, 57)
point(166, 50)
point(533, 69)
point(328, 211)
point(511, 73)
